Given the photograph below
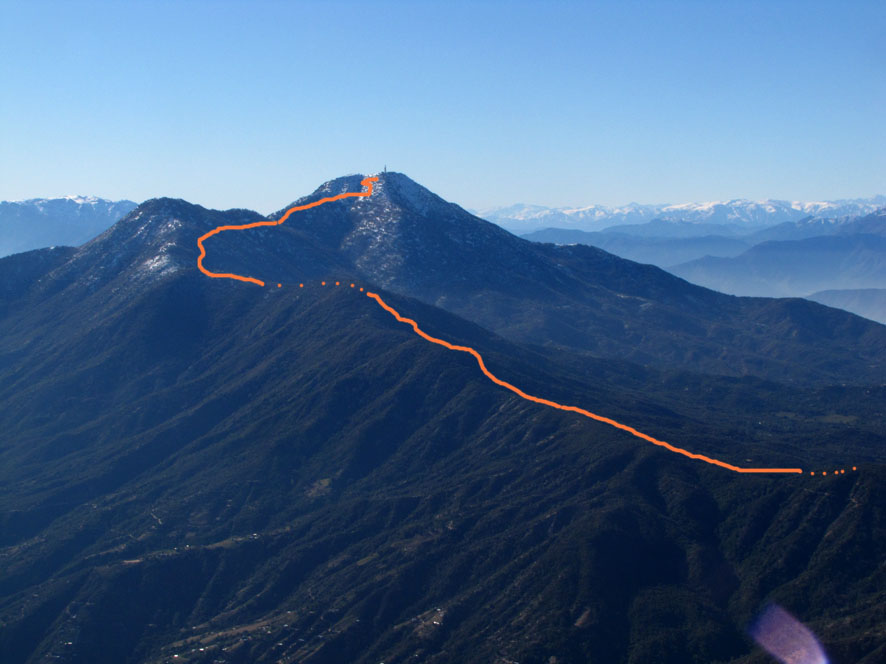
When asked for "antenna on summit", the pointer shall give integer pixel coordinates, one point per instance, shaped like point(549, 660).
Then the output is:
point(386, 168)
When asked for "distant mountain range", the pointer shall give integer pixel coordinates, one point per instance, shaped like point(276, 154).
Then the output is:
point(667, 244)
point(735, 214)
point(791, 259)
point(204, 470)
point(44, 222)
point(795, 267)
point(662, 251)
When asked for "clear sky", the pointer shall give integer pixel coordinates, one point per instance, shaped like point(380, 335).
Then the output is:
point(252, 104)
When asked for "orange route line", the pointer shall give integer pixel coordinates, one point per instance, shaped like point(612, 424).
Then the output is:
point(366, 182)
point(581, 411)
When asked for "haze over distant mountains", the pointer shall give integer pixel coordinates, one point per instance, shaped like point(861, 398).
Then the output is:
point(867, 302)
point(789, 259)
point(45, 222)
point(737, 213)
point(790, 268)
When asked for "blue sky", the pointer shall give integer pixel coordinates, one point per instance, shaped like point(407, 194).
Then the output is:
point(252, 104)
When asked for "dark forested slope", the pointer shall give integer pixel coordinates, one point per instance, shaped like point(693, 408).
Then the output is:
point(222, 472)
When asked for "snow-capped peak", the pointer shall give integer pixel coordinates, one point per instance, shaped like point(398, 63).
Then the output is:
point(80, 199)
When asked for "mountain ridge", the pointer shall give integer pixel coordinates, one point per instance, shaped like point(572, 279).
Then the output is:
point(407, 240)
point(443, 255)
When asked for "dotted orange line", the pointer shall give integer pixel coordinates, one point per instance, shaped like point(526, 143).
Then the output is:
point(842, 471)
point(367, 182)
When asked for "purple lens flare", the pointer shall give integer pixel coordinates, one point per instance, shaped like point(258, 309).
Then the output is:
point(786, 638)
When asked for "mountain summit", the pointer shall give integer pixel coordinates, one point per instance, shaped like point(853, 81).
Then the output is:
point(411, 241)
point(391, 190)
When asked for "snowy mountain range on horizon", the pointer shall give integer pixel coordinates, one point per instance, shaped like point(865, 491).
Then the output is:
point(521, 218)
point(68, 220)
point(79, 199)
